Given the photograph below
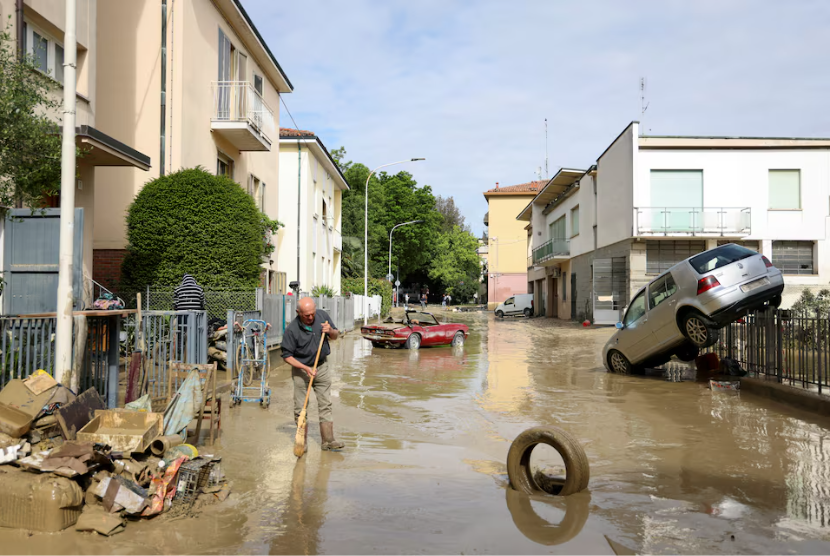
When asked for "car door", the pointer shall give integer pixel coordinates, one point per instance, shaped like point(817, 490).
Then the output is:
point(509, 305)
point(635, 337)
point(662, 311)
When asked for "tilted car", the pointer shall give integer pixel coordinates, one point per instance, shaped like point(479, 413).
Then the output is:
point(416, 329)
point(682, 310)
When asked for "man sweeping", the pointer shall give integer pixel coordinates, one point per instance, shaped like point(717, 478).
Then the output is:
point(299, 349)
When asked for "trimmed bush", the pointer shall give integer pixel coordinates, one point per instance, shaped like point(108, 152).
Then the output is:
point(376, 287)
point(194, 222)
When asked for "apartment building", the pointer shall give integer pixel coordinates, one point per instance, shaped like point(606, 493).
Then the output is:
point(652, 201)
point(311, 187)
point(30, 241)
point(506, 249)
point(193, 83)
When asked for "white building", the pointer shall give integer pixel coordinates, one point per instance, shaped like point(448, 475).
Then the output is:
point(310, 193)
point(599, 235)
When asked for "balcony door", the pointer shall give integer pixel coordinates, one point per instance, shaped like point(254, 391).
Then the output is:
point(233, 72)
point(676, 200)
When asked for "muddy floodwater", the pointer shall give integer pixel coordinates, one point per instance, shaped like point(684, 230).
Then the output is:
point(675, 468)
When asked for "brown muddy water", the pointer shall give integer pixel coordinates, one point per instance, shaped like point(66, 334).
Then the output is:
point(675, 468)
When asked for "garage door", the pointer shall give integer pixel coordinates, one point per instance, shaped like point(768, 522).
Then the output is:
point(662, 255)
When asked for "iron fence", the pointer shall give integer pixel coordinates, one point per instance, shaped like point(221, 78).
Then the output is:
point(217, 302)
point(172, 337)
point(792, 348)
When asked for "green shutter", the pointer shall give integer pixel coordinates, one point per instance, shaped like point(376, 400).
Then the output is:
point(785, 189)
point(574, 221)
point(675, 195)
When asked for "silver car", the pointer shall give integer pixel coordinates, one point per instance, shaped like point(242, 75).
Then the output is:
point(683, 310)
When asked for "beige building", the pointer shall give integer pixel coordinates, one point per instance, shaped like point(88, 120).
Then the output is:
point(39, 26)
point(197, 86)
point(311, 186)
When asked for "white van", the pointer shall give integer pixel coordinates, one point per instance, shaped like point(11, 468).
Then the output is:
point(521, 304)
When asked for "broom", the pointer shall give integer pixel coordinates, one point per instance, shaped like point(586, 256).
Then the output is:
point(299, 439)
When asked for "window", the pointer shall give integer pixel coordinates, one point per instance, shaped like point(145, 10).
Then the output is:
point(661, 289)
point(675, 196)
point(785, 189)
point(575, 221)
point(255, 190)
point(224, 165)
point(509, 301)
point(314, 238)
point(564, 286)
point(721, 256)
point(793, 257)
point(258, 84)
point(662, 255)
point(557, 229)
point(46, 52)
point(636, 310)
point(595, 238)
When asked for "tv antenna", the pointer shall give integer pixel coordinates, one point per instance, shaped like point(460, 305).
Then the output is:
point(547, 176)
point(643, 103)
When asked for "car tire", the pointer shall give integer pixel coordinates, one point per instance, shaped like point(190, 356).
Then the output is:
point(500, 314)
point(619, 363)
point(413, 342)
point(528, 312)
point(699, 330)
point(577, 471)
point(687, 352)
point(775, 302)
point(458, 339)
point(377, 345)
point(537, 528)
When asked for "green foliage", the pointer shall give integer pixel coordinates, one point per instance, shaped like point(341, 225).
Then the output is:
point(376, 287)
point(197, 223)
point(812, 305)
point(30, 141)
point(451, 215)
point(339, 155)
point(323, 291)
point(455, 266)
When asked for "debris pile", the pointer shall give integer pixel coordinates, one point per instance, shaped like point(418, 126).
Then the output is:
point(217, 343)
point(68, 460)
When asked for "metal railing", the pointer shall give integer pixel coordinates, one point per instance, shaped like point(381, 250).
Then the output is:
point(530, 262)
point(280, 310)
point(792, 348)
point(551, 249)
point(238, 101)
point(338, 240)
point(713, 221)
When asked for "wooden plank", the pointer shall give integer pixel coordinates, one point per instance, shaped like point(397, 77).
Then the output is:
point(73, 416)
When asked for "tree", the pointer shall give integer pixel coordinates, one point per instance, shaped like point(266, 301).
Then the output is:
point(339, 155)
point(30, 141)
point(450, 213)
point(194, 222)
point(455, 265)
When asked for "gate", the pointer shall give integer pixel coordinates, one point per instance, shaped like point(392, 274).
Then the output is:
point(172, 337)
point(609, 290)
point(31, 246)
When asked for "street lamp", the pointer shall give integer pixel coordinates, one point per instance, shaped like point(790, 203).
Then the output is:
point(390, 245)
point(366, 237)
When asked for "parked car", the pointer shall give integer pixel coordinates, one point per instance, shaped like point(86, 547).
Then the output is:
point(682, 310)
point(521, 304)
point(416, 329)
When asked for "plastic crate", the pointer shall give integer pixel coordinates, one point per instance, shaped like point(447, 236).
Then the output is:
point(193, 475)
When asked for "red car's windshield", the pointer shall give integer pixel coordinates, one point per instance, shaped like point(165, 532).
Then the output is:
point(424, 319)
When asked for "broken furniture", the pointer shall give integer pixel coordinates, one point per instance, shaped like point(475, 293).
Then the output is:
point(75, 415)
point(125, 431)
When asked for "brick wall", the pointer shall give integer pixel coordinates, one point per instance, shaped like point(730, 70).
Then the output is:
point(106, 267)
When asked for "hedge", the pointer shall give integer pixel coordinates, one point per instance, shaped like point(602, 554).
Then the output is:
point(194, 222)
point(376, 287)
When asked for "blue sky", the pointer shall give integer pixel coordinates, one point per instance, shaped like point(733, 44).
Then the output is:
point(468, 84)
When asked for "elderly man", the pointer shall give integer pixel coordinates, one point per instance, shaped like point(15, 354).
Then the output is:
point(299, 348)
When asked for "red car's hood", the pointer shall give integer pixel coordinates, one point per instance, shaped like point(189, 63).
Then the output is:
point(384, 326)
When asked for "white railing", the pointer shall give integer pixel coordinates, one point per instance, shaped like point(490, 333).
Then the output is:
point(238, 101)
point(338, 240)
point(692, 221)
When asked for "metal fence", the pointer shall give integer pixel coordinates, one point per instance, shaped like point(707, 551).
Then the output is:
point(217, 302)
point(792, 348)
point(172, 337)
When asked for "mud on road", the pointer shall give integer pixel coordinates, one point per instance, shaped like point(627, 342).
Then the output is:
point(675, 468)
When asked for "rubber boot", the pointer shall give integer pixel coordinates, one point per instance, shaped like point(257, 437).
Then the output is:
point(327, 434)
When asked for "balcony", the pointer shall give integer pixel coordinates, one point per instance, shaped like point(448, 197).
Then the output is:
point(338, 240)
point(530, 262)
point(241, 116)
point(554, 249)
point(695, 221)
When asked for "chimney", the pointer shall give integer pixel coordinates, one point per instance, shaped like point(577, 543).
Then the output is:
point(497, 185)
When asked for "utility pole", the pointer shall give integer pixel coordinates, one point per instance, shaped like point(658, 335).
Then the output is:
point(63, 336)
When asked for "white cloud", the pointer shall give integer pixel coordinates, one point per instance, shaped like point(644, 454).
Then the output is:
point(468, 84)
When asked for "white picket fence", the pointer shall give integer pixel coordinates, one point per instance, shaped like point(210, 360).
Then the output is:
point(372, 306)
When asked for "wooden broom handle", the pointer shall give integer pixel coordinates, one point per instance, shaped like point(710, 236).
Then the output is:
point(316, 359)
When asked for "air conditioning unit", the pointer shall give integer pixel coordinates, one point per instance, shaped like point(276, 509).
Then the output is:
point(556, 272)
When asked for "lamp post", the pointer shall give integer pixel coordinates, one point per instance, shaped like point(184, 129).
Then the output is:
point(366, 236)
point(396, 226)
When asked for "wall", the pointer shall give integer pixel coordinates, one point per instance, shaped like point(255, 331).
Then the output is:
point(501, 287)
point(615, 189)
point(507, 248)
point(288, 193)
point(581, 196)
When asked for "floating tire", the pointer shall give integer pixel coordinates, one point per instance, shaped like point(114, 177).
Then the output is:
point(522, 478)
point(541, 531)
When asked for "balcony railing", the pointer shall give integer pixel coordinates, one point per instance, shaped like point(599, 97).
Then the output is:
point(551, 249)
point(692, 221)
point(530, 262)
point(239, 102)
point(338, 240)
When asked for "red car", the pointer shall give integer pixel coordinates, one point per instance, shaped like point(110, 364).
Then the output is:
point(415, 330)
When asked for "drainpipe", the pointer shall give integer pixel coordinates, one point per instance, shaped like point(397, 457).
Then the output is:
point(19, 28)
point(163, 142)
point(299, 202)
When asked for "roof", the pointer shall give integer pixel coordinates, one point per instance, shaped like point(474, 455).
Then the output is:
point(560, 181)
point(723, 142)
point(289, 136)
point(520, 190)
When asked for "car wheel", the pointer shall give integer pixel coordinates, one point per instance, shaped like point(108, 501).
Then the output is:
point(413, 342)
point(528, 313)
point(522, 478)
point(458, 339)
point(699, 330)
point(500, 314)
point(619, 363)
point(687, 352)
point(377, 345)
point(775, 302)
